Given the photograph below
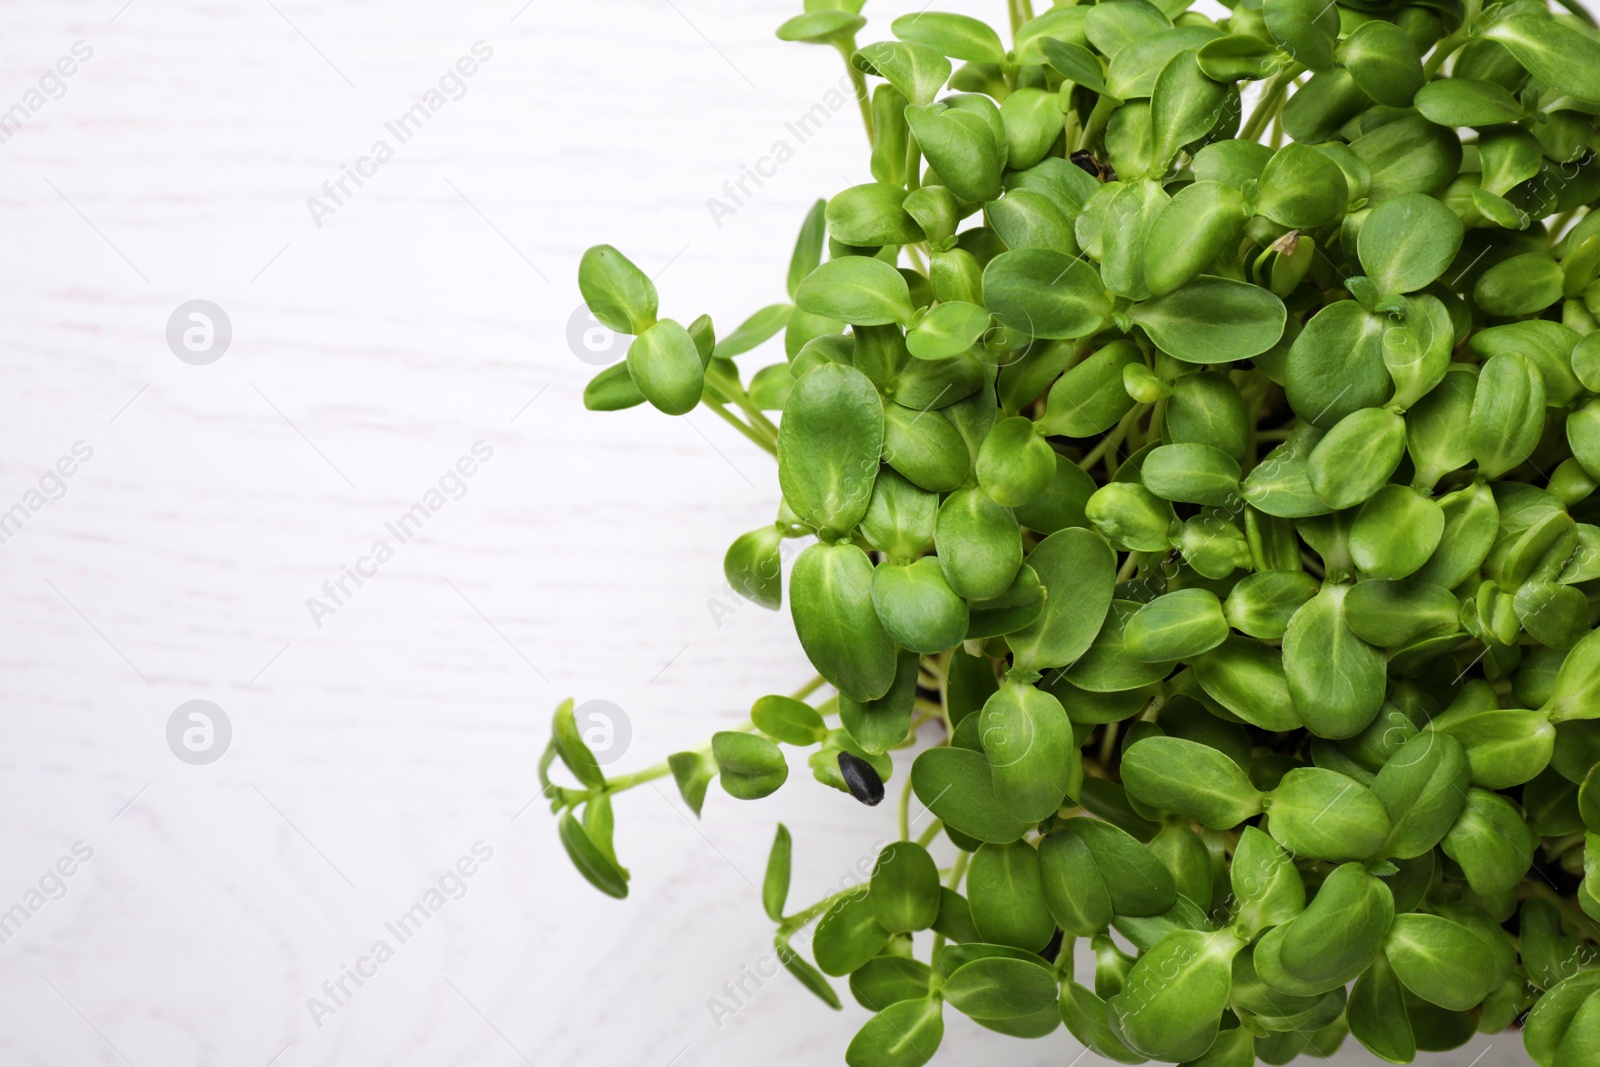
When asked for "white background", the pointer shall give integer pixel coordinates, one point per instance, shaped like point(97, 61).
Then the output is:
point(428, 313)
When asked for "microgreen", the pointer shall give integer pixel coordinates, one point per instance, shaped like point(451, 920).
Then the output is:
point(1192, 427)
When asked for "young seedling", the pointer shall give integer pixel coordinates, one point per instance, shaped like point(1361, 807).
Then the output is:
point(1193, 427)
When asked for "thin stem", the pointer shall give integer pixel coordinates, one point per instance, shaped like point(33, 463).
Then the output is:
point(1103, 107)
point(905, 810)
point(930, 833)
point(859, 81)
point(649, 774)
point(733, 420)
point(1267, 106)
point(1014, 10)
point(807, 689)
point(1112, 439)
point(916, 259)
point(791, 923)
point(1129, 566)
point(1447, 47)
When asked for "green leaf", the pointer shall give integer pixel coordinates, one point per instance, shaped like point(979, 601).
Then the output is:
point(1074, 890)
point(806, 974)
point(1490, 842)
point(906, 1034)
point(836, 622)
point(1384, 61)
point(1089, 399)
point(1505, 746)
point(1012, 610)
point(949, 329)
point(665, 364)
point(1212, 320)
point(1521, 285)
point(957, 36)
point(753, 566)
point(752, 767)
point(1078, 570)
point(1138, 882)
point(917, 607)
point(1191, 231)
point(888, 980)
point(1028, 741)
point(1005, 890)
point(572, 749)
point(600, 870)
point(1075, 63)
point(1560, 57)
point(1340, 932)
point(808, 246)
point(693, 772)
point(612, 390)
point(828, 447)
point(1335, 367)
point(1467, 102)
point(1395, 532)
point(821, 27)
point(962, 147)
point(870, 215)
point(999, 987)
point(1307, 30)
point(859, 290)
point(1175, 995)
point(1377, 1015)
point(1422, 786)
point(1176, 625)
point(754, 331)
point(1183, 107)
point(1507, 417)
point(618, 293)
point(1357, 457)
point(1336, 679)
point(1192, 474)
point(1015, 463)
point(1045, 294)
point(1324, 815)
point(1302, 188)
point(1440, 961)
point(882, 724)
point(1408, 241)
point(956, 786)
point(1550, 1019)
point(775, 885)
point(919, 72)
point(794, 722)
point(979, 544)
point(905, 888)
point(1266, 885)
point(848, 936)
point(1247, 678)
point(1190, 779)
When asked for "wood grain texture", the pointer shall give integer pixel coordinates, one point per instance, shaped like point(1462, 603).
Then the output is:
point(430, 311)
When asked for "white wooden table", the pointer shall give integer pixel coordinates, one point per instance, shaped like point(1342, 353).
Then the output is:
point(375, 340)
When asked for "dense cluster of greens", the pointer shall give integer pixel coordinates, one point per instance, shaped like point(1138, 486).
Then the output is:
point(1217, 481)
